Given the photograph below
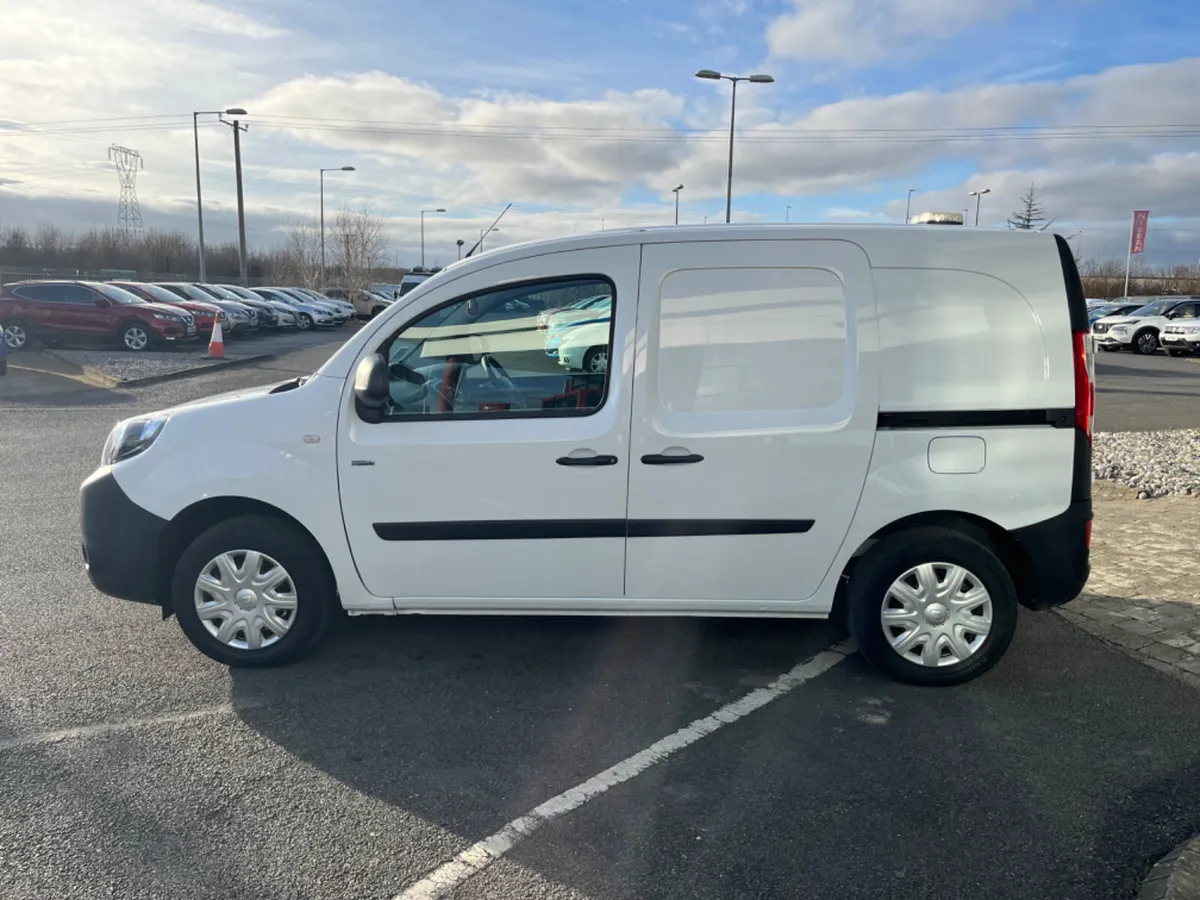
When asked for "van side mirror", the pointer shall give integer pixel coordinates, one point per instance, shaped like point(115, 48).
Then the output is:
point(371, 385)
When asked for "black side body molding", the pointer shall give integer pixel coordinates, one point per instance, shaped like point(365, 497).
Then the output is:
point(559, 529)
point(977, 418)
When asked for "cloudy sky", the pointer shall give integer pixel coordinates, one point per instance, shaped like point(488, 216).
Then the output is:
point(585, 113)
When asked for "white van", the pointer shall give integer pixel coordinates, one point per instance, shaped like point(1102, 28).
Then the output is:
point(791, 420)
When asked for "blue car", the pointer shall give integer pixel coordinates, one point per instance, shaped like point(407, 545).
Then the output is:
point(1096, 313)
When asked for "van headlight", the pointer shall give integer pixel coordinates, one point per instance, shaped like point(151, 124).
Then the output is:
point(131, 437)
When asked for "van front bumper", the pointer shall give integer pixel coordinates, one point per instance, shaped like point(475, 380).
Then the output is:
point(120, 540)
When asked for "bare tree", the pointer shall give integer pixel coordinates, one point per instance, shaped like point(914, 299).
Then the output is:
point(302, 244)
point(1032, 215)
point(360, 246)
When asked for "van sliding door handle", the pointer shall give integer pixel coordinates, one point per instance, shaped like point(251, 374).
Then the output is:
point(671, 459)
point(602, 460)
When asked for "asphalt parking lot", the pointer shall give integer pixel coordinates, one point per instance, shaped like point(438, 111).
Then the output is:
point(1146, 393)
point(131, 766)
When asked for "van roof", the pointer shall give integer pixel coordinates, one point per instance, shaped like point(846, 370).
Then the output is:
point(888, 245)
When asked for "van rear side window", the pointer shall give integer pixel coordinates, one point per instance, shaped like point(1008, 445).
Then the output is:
point(751, 340)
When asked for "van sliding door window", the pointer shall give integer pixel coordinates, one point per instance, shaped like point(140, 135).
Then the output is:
point(529, 350)
point(751, 340)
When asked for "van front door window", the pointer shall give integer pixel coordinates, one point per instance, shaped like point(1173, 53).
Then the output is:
point(533, 348)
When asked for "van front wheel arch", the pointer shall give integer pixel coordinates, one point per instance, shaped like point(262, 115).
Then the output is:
point(931, 606)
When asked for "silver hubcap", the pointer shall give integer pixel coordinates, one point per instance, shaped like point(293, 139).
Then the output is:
point(14, 336)
point(598, 364)
point(936, 614)
point(245, 599)
point(136, 339)
point(305, 321)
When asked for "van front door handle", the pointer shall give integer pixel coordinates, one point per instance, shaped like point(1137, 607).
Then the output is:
point(671, 459)
point(601, 460)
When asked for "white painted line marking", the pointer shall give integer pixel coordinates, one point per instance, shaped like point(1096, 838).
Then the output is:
point(480, 855)
point(88, 731)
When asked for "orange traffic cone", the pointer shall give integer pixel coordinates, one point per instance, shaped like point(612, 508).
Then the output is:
point(216, 344)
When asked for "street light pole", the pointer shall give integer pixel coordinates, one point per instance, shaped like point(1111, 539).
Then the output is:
point(438, 210)
point(323, 171)
point(199, 202)
point(732, 79)
point(908, 207)
point(676, 191)
point(787, 215)
point(978, 195)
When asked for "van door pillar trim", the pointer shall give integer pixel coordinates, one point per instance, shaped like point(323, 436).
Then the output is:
point(552, 529)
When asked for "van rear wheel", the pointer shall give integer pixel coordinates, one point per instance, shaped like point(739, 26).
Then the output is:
point(253, 591)
point(931, 606)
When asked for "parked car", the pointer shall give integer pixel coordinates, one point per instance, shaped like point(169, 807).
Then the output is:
point(343, 308)
point(287, 315)
point(58, 310)
point(565, 320)
point(268, 315)
point(791, 416)
point(543, 319)
point(308, 315)
point(205, 314)
point(1100, 311)
point(585, 349)
point(412, 279)
point(1139, 330)
point(239, 318)
point(1181, 335)
point(3, 352)
point(366, 303)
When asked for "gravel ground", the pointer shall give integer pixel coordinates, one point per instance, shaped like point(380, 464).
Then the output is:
point(135, 366)
point(1155, 463)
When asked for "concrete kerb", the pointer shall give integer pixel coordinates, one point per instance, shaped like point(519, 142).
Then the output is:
point(1176, 876)
point(96, 378)
point(87, 375)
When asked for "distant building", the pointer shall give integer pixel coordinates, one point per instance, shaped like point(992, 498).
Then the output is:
point(938, 218)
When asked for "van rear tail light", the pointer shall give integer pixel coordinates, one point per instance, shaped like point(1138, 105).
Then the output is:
point(1087, 535)
point(1085, 382)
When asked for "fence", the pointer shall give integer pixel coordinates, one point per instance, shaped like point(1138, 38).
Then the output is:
point(1112, 286)
point(9, 274)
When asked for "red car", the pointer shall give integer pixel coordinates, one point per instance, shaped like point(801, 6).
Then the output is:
point(73, 310)
point(205, 314)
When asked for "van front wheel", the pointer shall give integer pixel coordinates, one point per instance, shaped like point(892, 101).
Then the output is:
point(931, 606)
point(253, 591)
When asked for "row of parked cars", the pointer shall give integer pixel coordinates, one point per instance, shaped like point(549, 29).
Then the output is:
point(139, 315)
point(1144, 324)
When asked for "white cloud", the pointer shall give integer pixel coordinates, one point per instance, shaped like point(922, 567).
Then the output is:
point(859, 32)
point(208, 17)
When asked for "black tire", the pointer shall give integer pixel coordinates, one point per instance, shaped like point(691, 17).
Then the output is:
point(892, 557)
point(137, 336)
point(1107, 348)
point(16, 329)
point(595, 361)
point(1145, 342)
point(377, 310)
point(316, 594)
point(1175, 351)
point(304, 321)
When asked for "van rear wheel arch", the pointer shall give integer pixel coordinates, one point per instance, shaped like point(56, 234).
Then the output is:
point(993, 536)
point(192, 521)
